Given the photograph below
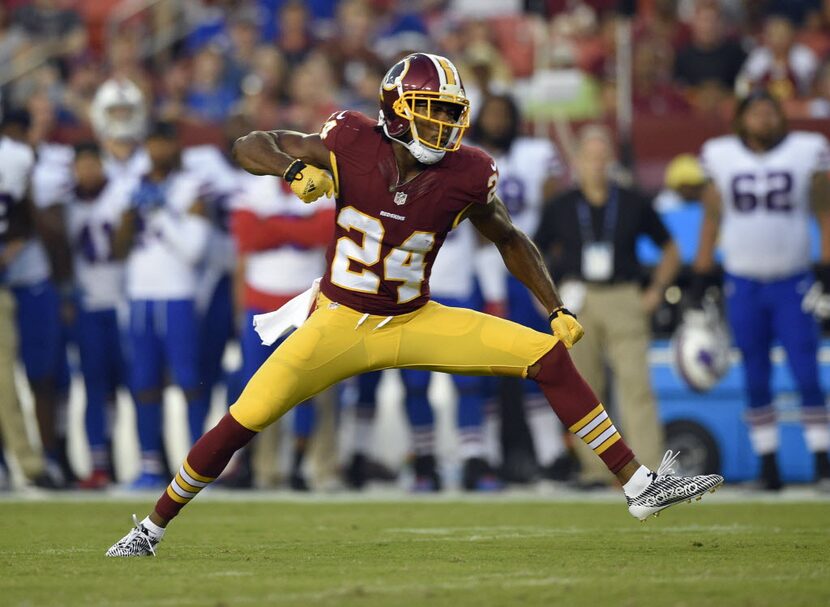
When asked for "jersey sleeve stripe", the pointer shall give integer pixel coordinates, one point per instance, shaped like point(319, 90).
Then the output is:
point(334, 173)
point(460, 217)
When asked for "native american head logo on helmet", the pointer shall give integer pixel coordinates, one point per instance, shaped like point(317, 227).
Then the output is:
point(423, 106)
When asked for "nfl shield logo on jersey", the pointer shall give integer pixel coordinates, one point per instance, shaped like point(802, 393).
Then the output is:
point(400, 198)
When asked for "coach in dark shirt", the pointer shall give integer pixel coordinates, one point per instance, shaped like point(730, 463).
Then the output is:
point(589, 236)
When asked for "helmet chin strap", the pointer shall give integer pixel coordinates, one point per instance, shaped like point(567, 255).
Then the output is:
point(419, 151)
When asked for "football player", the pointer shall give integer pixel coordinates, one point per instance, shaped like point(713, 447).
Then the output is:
point(15, 226)
point(163, 234)
point(764, 182)
point(373, 310)
point(93, 209)
point(451, 283)
point(118, 114)
point(281, 246)
point(40, 279)
point(119, 117)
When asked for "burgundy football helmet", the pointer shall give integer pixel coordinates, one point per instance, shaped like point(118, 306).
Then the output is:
point(411, 90)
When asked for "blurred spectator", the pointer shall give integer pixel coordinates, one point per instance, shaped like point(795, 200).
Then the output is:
point(351, 47)
point(711, 59)
point(662, 22)
point(654, 92)
point(13, 39)
point(125, 61)
point(44, 119)
point(46, 77)
point(685, 176)
point(205, 20)
point(782, 66)
point(477, 9)
point(294, 37)
point(80, 90)
point(796, 11)
point(815, 33)
point(313, 95)
point(61, 30)
point(364, 96)
point(172, 101)
point(481, 61)
point(684, 182)
point(243, 35)
point(208, 97)
point(264, 88)
point(599, 6)
point(819, 106)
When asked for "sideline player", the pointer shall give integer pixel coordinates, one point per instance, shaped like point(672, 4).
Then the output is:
point(119, 116)
point(162, 235)
point(15, 226)
point(373, 309)
point(764, 181)
point(93, 209)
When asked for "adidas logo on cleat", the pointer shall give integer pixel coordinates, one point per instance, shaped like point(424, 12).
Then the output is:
point(666, 489)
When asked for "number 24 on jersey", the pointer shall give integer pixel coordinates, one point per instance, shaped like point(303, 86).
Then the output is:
point(404, 263)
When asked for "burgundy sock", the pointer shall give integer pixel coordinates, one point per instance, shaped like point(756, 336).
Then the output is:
point(573, 401)
point(206, 460)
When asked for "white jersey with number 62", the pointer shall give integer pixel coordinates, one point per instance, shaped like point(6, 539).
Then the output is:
point(765, 202)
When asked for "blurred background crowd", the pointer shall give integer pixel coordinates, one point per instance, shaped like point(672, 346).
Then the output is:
point(291, 62)
point(661, 75)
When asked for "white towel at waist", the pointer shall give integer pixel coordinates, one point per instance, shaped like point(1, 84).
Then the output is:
point(273, 325)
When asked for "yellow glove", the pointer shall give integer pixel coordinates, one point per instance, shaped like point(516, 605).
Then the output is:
point(565, 326)
point(308, 182)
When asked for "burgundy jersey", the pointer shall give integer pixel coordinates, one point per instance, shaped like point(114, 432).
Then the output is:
point(388, 234)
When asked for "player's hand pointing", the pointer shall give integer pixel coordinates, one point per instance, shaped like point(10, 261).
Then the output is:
point(565, 326)
point(308, 182)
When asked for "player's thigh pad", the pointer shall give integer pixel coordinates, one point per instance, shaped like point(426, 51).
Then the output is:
point(328, 348)
point(458, 340)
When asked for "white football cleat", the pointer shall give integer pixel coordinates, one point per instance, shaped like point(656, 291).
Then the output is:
point(138, 542)
point(666, 489)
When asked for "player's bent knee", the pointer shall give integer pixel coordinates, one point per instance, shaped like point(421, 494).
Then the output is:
point(255, 415)
point(553, 366)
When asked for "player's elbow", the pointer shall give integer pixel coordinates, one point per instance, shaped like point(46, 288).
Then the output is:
point(239, 151)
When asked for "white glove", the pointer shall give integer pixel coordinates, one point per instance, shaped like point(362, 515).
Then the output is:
point(817, 302)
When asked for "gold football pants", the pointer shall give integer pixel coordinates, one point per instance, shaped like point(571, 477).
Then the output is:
point(337, 342)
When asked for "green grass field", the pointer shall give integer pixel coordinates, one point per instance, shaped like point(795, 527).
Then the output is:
point(420, 553)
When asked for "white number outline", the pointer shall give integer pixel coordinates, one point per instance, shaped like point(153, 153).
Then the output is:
point(348, 250)
point(407, 261)
point(402, 264)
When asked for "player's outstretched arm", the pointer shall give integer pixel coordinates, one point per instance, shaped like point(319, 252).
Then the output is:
point(302, 160)
point(520, 255)
point(525, 262)
point(272, 152)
